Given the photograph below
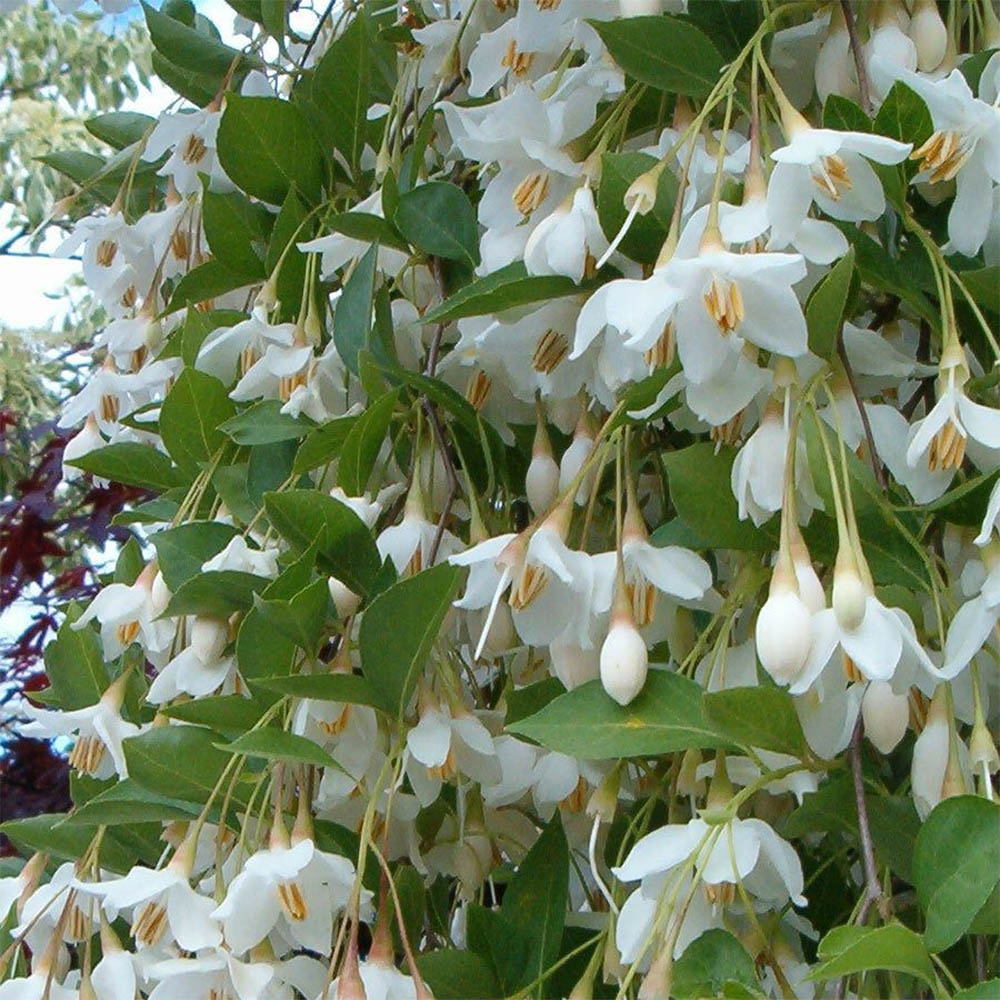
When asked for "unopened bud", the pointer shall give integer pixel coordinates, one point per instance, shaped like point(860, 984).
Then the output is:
point(659, 979)
point(885, 715)
point(850, 598)
point(344, 599)
point(688, 782)
point(541, 483)
point(929, 34)
point(783, 632)
point(624, 660)
point(637, 8)
point(208, 638)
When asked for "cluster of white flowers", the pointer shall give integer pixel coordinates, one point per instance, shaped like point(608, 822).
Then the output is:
point(762, 207)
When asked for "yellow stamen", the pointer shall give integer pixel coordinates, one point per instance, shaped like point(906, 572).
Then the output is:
point(531, 192)
point(478, 389)
point(943, 155)
point(550, 350)
point(292, 901)
point(194, 149)
point(517, 62)
point(724, 303)
point(149, 923)
point(106, 251)
point(831, 176)
point(661, 354)
point(532, 581)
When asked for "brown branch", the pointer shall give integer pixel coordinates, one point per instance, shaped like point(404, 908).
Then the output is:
point(859, 58)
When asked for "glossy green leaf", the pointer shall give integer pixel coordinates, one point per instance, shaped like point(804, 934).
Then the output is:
point(323, 444)
point(892, 947)
point(299, 618)
point(216, 594)
point(264, 423)
point(398, 630)
point(74, 665)
point(237, 231)
point(458, 975)
point(120, 128)
point(224, 712)
point(712, 960)
point(127, 802)
point(666, 716)
point(664, 52)
point(761, 717)
point(346, 688)
point(180, 762)
point(956, 864)
point(188, 48)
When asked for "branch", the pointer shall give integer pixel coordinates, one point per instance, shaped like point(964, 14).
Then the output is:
point(877, 466)
point(859, 59)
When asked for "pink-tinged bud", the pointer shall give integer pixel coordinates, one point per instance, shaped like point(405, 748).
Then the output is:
point(624, 660)
point(850, 597)
point(541, 483)
point(929, 34)
point(885, 715)
point(208, 638)
point(344, 599)
point(783, 633)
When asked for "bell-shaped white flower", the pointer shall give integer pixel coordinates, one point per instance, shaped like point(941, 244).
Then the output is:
point(234, 350)
point(834, 69)
point(829, 168)
point(190, 138)
point(568, 240)
point(410, 543)
point(238, 556)
point(885, 715)
point(939, 439)
point(200, 667)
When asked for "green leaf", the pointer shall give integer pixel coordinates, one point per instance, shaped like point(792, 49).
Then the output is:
point(362, 444)
point(266, 146)
point(501, 943)
point(645, 237)
point(180, 762)
point(439, 219)
point(458, 975)
point(237, 232)
point(666, 716)
point(398, 630)
point(845, 115)
point(74, 665)
point(216, 594)
point(700, 490)
point(189, 48)
point(340, 90)
point(345, 688)
point(181, 551)
point(224, 712)
point(352, 318)
point(120, 128)
point(190, 418)
point(367, 228)
point(130, 562)
point(663, 52)
point(825, 308)
point(269, 466)
point(956, 864)
point(345, 543)
point(531, 699)
point(130, 464)
point(989, 990)
point(904, 116)
point(48, 833)
point(291, 227)
point(127, 802)
point(893, 947)
point(299, 618)
point(264, 423)
point(729, 23)
point(323, 444)
point(536, 898)
point(204, 283)
point(762, 717)
point(965, 503)
point(505, 288)
point(274, 744)
point(983, 284)
point(708, 963)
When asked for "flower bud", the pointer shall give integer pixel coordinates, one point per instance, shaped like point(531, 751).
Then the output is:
point(637, 8)
point(624, 660)
point(885, 715)
point(86, 440)
point(574, 458)
point(344, 599)
point(849, 598)
point(833, 62)
point(541, 483)
point(159, 595)
point(208, 638)
point(784, 632)
point(929, 34)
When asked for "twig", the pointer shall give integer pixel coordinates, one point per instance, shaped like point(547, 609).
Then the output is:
point(873, 889)
point(877, 466)
point(859, 59)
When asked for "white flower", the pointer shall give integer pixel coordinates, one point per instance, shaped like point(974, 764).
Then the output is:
point(829, 168)
point(190, 137)
point(299, 886)
point(624, 660)
point(443, 745)
point(965, 146)
point(237, 555)
point(939, 439)
point(746, 850)
point(236, 349)
point(99, 731)
point(40, 985)
point(213, 974)
point(564, 240)
point(199, 668)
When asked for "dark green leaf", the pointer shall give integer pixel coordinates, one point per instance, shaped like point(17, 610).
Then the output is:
point(398, 630)
point(528, 700)
point(126, 802)
point(362, 444)
point(323, 444)
point(708, 963)
point(120, 128)
point(188, 48)
point(299, 618)
point(224, 712)
point(181, 551)
point(216, 594)
point(439, 218)
point(645, 237)
point(264, 423)
point(274, 744)
point(346, 688)
point(891, 947)
point(237, 232)
point(190, 418)
point(761, 717)
point(266, 146)
point(845, 115)
point(131, 464)
point(74, 665)
point(181, 762)
point(956, 864)
point(663, 52)
point(825, 308)
point(352, 319)
point(458, 975)
point(367, 228)
point(206, 282)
